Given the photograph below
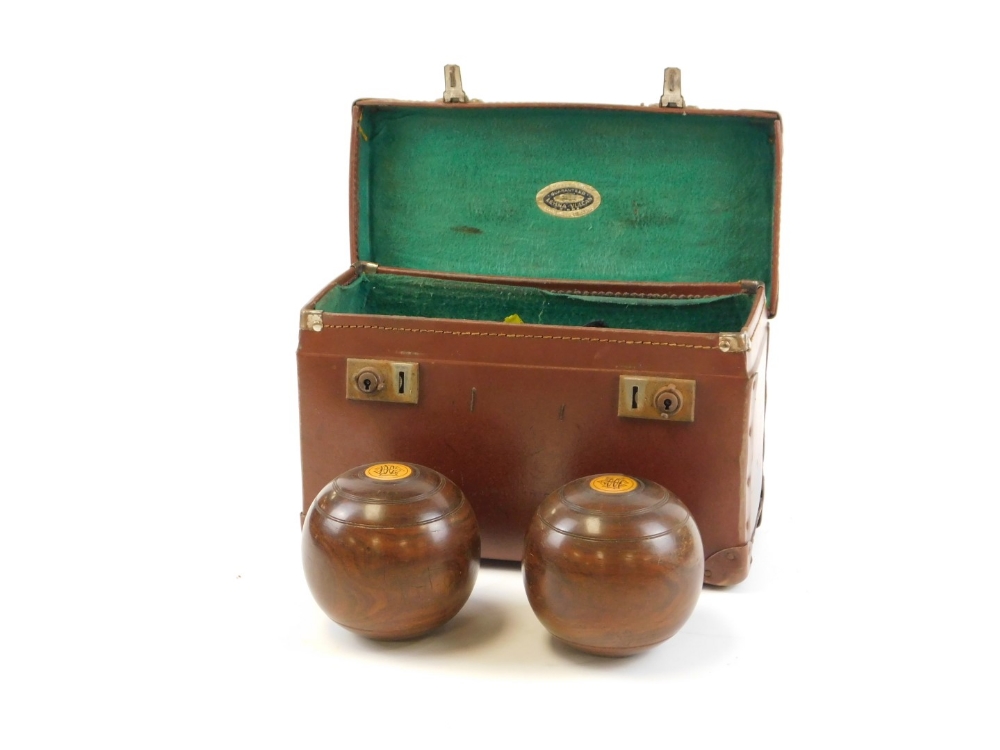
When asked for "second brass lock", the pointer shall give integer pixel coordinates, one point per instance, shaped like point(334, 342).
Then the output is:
point(655, 397)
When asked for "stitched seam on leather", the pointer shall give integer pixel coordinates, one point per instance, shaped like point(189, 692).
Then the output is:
point(525, 336)
point(588, 293)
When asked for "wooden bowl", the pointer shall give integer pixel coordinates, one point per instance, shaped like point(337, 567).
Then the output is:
point(613, 564)
point(390, 550)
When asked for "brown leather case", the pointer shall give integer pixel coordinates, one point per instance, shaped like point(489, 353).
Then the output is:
point(511, 412)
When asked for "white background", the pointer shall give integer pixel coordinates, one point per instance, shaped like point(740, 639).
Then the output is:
point(173, 187)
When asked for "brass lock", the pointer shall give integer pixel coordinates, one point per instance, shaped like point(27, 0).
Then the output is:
point(380, 380)
point(648, 397)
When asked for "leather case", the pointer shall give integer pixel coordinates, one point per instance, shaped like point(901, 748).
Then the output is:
point(541, 292)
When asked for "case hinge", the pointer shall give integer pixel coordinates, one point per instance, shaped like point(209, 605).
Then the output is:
point(672, 88)
point(453, 91)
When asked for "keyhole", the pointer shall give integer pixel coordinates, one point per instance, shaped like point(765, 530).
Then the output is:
point(635, 397)
point(402, 382)
point(368, 382)
point(667, 401)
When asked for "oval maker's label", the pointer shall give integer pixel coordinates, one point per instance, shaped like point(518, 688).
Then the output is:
point(568, 200)
point(388, 472)
point(613, 484)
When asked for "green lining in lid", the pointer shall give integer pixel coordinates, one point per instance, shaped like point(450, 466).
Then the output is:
point(684, 197)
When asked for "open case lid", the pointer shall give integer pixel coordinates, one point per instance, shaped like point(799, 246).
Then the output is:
point(568, 191)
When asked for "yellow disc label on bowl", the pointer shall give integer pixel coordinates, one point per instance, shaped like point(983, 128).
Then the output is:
point(388, 472)
point(613, 484)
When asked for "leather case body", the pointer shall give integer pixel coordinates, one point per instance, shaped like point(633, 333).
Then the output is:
point(446, 244)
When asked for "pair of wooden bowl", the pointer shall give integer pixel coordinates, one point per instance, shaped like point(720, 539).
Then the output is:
point(613, 564)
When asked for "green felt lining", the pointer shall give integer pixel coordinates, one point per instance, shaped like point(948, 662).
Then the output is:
point(391, 294)
point(684, 198)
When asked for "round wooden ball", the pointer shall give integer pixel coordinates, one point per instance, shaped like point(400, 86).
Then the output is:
point(391, 550)
point(613, 564)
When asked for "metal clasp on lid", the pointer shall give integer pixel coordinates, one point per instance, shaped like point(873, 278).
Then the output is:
point(453, 91)
point(672, 88)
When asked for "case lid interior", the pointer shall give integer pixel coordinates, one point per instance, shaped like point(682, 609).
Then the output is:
point(683, 195)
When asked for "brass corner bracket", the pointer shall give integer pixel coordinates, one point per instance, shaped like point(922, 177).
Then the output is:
point(734, 342)
point(311, 320)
